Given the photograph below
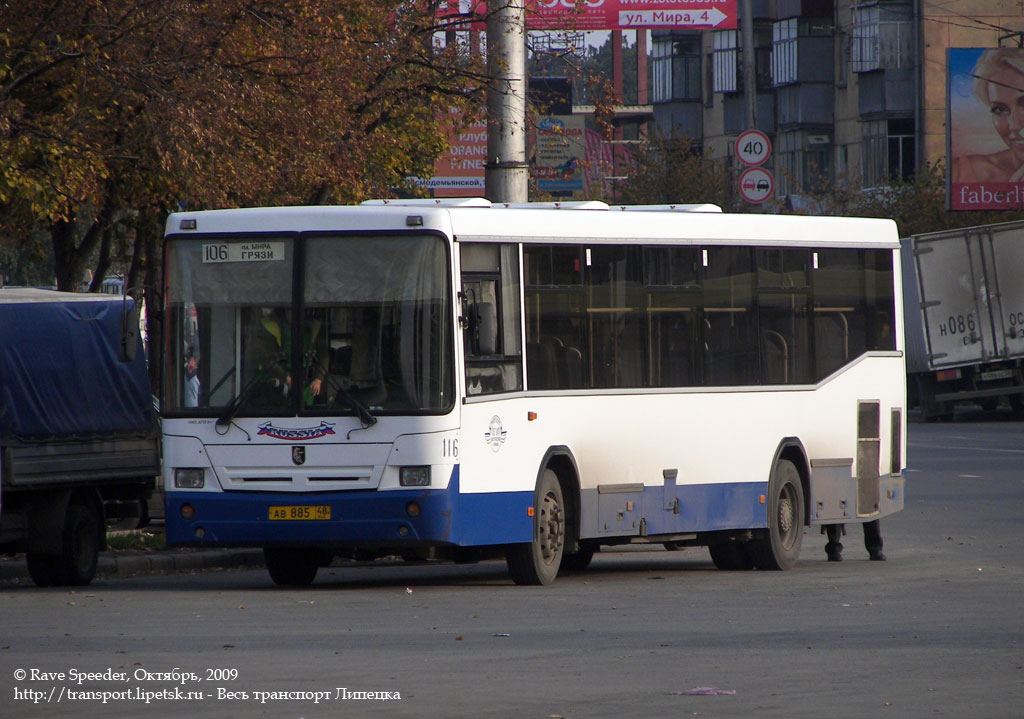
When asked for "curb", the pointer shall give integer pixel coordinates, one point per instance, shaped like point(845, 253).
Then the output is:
point(126, 564)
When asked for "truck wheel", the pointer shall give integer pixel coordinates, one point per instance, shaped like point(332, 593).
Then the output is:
point(1017, 404)
point(778, 546)
point(537, 562)
point(81, 537)
point(82, 533)
point(291, 567)
point(44, 569)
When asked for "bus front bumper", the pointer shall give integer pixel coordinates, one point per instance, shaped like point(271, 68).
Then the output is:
point(398, 517)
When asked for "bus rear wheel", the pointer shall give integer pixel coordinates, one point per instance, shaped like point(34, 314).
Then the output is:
point(291, 567)
point(778, 546)
point(537, 562)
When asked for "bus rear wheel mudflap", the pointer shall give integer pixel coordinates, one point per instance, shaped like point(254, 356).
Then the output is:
point(580, 559)
point(731, 555)
point(778, 546)
point(537, 562)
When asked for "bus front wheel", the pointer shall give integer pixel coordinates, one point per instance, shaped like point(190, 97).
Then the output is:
point(291, 567)
point(537, 562)
point(778, 546)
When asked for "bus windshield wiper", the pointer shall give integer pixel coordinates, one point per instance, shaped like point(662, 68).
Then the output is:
point(365, 416)
point(232, 407)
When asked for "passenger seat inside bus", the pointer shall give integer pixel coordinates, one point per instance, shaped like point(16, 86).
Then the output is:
point(552, 365)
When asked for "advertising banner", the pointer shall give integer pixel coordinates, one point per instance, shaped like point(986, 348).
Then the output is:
point(460, 171)
point(580, 15)
point(985, 104)
point(560, 153)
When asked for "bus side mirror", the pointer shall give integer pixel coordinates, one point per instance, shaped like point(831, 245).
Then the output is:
point(128, 340)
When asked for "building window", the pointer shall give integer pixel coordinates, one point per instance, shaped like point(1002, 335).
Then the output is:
point(842, 163)
point(889, 152)
point(676, 69)
point(726, 61)
point(817, 168)
point(882, 37)
point(784, 51)
point(901, 156)
point(762, 56)
point(661, 70)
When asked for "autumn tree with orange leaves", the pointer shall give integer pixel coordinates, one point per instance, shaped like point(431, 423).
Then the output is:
point(113, 112)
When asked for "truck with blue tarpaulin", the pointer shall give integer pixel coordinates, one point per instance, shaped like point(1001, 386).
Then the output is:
point(79, 436)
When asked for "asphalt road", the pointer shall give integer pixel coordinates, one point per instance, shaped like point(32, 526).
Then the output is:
point(936, 631)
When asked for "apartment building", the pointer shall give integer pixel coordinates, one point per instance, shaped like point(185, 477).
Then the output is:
point(847, 90)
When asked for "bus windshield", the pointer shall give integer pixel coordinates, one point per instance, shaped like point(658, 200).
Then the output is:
point(368, 332)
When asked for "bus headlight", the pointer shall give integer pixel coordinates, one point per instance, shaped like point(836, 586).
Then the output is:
point(189, 478)
point(414, 476)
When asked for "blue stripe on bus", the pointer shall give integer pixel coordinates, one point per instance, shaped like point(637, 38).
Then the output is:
point(705, 507)
point(673, 509)
point(448, 517)
point(495, 517)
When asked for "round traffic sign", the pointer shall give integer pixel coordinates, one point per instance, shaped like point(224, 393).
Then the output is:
point(753, 148)
point(756, 184)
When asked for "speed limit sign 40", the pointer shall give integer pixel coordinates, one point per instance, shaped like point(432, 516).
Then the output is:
point(753, 148)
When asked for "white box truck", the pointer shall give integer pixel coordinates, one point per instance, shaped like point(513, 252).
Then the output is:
point(964, 313)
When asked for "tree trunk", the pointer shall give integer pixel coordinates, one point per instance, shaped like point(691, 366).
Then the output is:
point(70, 260)
point(103, 263)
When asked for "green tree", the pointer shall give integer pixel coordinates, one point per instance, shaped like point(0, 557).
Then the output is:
point(671, 170)
point(920, 205)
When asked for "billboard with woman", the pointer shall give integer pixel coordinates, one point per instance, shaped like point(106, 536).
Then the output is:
point(986, 128)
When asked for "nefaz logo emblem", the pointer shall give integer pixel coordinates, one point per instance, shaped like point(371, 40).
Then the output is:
point(293, 435)
point(298, 455)
point(495, 436)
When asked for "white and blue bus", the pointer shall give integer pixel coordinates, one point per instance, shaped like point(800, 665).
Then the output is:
point(460, 381)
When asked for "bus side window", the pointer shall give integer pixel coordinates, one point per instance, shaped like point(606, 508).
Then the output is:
point(491, 318)
point(557, 321)
point(730, 325)
point(784, 315)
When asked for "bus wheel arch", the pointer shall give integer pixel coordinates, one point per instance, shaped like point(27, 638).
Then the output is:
point(555, 523)
point(778, 546)
point(577, 552)
point(792, 449)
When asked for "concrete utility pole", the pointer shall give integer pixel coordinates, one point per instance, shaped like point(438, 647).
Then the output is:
point(506, 173)
point(749, 60)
